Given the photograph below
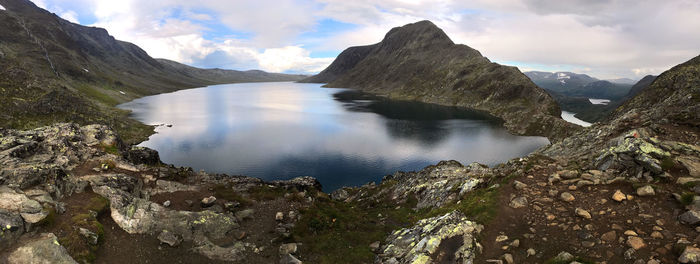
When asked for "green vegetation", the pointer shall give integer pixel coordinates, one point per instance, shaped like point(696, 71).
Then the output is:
point(667, 163)
point(226, 192)
point(687, 198)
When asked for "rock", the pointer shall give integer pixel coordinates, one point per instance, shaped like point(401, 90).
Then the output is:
point(289, 259)
point(374, 246)
point(340, 194)
point(209, 201)
point(690, 217)
point(508, 258)
point(518, 202)
point(619, 196)
point(567, 197)
point(657, 235)
point(519, 185)
point(169, 238)
point(588, 244)
point(11, 228)
point(568, 174)
point(564, 257)
point(142, 155)
point(630, 233)
point(515, 243)
point(692, 164)
point(609, 236)
point(166, 203)
point(89, 236)
point(501, 238)
point(34, 218)
point(289, 248)
point(635, 242)
point(690, 255)
point(417, 244)
point(189, 203)
point(279, 216)
point(645, 191)
point(42, 250)
point(244, 214)
point(583, 213)
point(531, 252)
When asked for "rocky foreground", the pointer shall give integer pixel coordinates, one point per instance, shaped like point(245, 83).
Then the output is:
point(75, 194)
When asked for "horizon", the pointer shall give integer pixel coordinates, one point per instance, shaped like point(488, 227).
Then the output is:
point(603, 39)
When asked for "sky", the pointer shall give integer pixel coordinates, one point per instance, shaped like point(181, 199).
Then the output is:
point(603, 38)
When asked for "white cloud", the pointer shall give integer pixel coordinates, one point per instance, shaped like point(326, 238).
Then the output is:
point(621, 38)
point(71, 16)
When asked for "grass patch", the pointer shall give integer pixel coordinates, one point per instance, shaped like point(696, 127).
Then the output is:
point(266, 193)
point(478, 205)
point(226, 192)
point(687, 198)
point(111, 149)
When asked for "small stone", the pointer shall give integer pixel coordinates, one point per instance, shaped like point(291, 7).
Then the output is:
point(630, 233)
point(645, 191)
point(501, 238)
point(209, 201)
point(508, 258)
point(289, 259)
point(90, 236)
point(169, 238)
point(572, 187)
point(609, 236)
point(690, 217)
point(519, 185)
point(588, 244)
point(563, 256)
point(531, 252)
point(635, 242)
point(657, 235)
point(189, 203)
point(374, 246)
point(515, 243)
point(566, 197)
point(279, 216)
point(553, 192)
point(583, 213)
point(550, 217)
point(518, 202)
point(289, 248)
point(618, 196)
point(166, 203)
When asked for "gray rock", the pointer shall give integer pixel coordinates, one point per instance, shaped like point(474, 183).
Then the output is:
point(563, 257)
point(166, 203)
point(11, 228)
point(417, 243)
point(645, 191)
point(508, 258)
point(289, 259)
point(340, 194)
point(89, 236)
point(289, 248)
point(518, 202)
point(374, 246)
point(583, 213)
point(244, 214)
point(42, 250)
point(169, 238)
point(279, 216)
point(142, 155)
point(568, 174)
point(690, 217)
point(519, 185)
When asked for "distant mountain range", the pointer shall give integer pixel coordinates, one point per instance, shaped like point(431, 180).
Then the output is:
point(581, 85)
point(419, 62)
point(52, 70)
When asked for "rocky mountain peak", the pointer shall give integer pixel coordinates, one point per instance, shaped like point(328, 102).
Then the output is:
point(421, 34)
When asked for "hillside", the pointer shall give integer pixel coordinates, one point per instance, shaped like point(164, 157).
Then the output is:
point(52, 70)
point(419, 62)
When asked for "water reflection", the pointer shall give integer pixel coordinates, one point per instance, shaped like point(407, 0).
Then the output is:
point(285, 130)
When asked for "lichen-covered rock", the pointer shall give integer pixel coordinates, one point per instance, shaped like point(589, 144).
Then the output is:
point(142, 155)
point(42, 250)
point(418, 243)
point(11, 228)
point(434, 185)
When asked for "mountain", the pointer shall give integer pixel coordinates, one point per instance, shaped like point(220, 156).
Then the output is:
point(640, 85)
point(627, 81)
point(579, 85)
point(52, 70)
point(419, 62)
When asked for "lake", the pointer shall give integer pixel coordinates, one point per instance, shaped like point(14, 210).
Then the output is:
point(278, 131)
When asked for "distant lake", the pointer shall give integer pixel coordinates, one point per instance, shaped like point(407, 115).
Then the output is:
point(569, 117)
point(599, 101)
point(278, 131)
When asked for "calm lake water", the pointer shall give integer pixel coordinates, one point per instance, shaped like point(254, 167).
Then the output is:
point(341, 137)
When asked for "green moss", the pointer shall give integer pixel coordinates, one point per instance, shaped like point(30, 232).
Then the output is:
point(687, 198)
point(98, 204)
point(667, 163)
point(111, 149)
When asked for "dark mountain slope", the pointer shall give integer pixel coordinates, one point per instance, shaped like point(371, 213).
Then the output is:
point(52, 70)
point(640, 86)
point(419, 62)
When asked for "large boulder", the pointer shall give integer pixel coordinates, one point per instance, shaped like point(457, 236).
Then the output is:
point(44, 249)
point(11, 228)
point(142, 155)
point(417, 244)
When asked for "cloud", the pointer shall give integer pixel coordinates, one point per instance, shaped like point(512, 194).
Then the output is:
point(612, 38)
